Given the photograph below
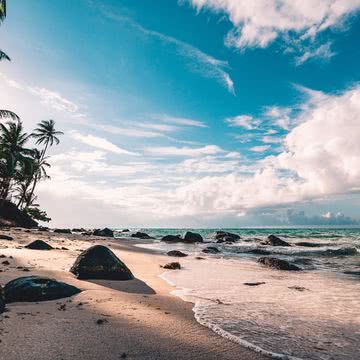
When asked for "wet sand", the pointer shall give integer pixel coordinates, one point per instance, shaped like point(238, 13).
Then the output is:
point(108, 320)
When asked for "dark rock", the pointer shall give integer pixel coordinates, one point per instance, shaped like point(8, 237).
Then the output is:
point(11, 216)
point(99, 262)
point(5, 262)
point(37, 288)
point(64, 248)
point(274, 241)
point(278, 264)
point(141, 235)
point(104, 232)
point(172, 238)
point(199, 258)
point(39, 245)
point(5, 237)
point(356, 273)
point(191, 237)
point(2, 300)
point(211, 250)
point(78, 230)
point(43, 229)
point(62, 231)
point(125, 230)
point(298, 288)
point(226, 236)
point(176, 253)
point(308, 244)
point(172, 266)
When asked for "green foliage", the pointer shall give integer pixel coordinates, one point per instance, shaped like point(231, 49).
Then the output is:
point(36, 214)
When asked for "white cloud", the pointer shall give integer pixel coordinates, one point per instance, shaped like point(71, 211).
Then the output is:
point(271, 139)
point(100, 143)
point(184, 151)
point(280, 116)
point(323, 51)
point(259, 23)
point(180, 120)
point(260, 148)
point(245, 121)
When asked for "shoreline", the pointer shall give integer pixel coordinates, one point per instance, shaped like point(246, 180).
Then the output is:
point(141, 318)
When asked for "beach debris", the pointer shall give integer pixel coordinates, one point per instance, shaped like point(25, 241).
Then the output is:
point(39, 245)
point(101, 321)
point(62, 231)
point(224, 236)
point(37, 288)
point(254, 283)
point(6, 237)
point(191, 237)
point(199, 258)
point(298, 288)
point(278, 264)
point(99, 262)
point(106, 232)
point(211, 250)
point(172, 238)
point(176, 253)
point(274, 241)
point(172, 266)
point(2, 300)
point(141, 235)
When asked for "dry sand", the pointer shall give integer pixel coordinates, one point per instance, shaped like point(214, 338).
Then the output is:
point(140, 319)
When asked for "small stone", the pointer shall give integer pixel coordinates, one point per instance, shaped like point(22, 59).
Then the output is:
point(172, 266)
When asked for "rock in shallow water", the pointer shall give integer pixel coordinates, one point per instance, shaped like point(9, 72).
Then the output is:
point(278, 264)
point(172, 238)
point(62, 231)
point(99, 262)
point(274, 241)
point(226, 236)
point(39, 245)
point(191, 237)
point(211, 250)
point(141, 235)
point(6, 237)
point(37, 288)
point(176, 253)
point(104, 232)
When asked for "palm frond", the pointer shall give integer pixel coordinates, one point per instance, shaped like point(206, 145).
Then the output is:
point(2, 10)
point(3, 56)
point(6, 114)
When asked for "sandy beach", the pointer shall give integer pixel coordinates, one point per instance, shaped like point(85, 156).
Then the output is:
point(136, 319)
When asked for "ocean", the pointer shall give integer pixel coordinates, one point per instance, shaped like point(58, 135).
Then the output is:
point(313, 314)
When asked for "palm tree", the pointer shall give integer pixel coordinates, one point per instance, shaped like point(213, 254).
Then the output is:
point(38, 173)
point(13, 154)
point(46, 134)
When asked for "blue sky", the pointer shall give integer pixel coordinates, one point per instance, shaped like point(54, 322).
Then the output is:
point(190, 113)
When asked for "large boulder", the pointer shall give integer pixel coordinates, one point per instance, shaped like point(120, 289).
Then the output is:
point(39, 245)
point(191, 237)
point(99, 262)
point(104, 232)
point(141, 235)
point(2, 300)
point(278, 264)
point(37, 288)
point(224, 236)
point(10, 215)
point(176, 253)
point(172, 238)
point(273, 240)
point(62, 231)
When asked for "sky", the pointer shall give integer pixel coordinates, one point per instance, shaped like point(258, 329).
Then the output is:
point(191, 113)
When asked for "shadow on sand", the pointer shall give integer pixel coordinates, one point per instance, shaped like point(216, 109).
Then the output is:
point(134, 286)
